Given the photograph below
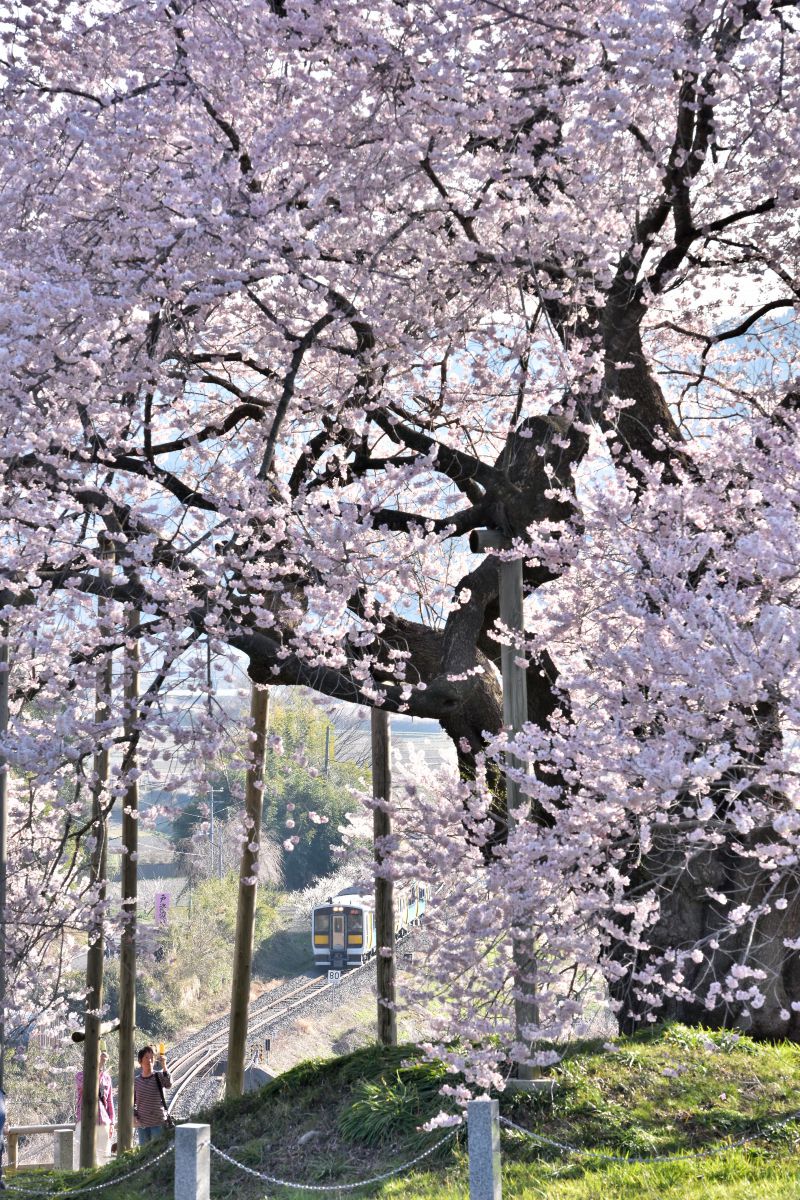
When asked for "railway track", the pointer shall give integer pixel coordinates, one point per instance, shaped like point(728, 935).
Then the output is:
point(205, 1049)
point(198, 1061)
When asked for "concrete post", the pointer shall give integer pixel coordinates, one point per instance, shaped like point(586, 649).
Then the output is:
point(483, 1136)
point(515, 714)
point(192, 1162)
point(63, 1149)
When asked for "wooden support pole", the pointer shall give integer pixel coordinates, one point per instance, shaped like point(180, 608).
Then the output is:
point(384, 888)
point(248, 891)
point(129, 890)
point(97, 883)
point(5, 668)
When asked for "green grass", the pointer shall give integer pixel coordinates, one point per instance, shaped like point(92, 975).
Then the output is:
point(670, 1092)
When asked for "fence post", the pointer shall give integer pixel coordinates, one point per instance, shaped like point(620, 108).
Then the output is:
point(192, 1162)
point(483, 1136)
point(63, 1149)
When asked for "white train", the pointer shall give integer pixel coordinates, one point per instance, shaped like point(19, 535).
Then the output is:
point(343, 929)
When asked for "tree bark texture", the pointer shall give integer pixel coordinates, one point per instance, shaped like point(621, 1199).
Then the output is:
point(688, 918)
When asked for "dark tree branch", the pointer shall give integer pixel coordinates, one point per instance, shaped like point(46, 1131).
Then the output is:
point(307, 340)
point(243, 412)
point(187, 495)
point(396, 520)
point(464, 470)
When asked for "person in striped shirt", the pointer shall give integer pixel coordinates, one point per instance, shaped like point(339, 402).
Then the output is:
point(149, 1108)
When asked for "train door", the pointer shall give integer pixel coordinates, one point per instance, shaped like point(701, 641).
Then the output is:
point(337, 933)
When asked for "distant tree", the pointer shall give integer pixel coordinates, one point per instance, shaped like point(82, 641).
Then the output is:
point(307, 813)
point(304, 806)
point(306, 801)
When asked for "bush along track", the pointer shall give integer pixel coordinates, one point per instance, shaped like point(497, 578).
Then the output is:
point(676, 1113)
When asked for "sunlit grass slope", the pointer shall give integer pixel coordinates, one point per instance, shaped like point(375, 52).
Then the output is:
point(723, 1110)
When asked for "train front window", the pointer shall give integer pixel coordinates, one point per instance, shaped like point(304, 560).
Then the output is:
point(355, 921)
point(322, 922)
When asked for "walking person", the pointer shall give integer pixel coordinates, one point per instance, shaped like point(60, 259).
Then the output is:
point(104, 1135)
point(149, 1106)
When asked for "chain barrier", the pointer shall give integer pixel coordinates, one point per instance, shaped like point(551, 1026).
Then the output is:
point(587, 1152)
point(584, 1151)
point(338, 1187)
point(96, 1187)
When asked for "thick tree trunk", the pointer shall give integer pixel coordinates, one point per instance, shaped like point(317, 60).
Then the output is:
point(734, 958)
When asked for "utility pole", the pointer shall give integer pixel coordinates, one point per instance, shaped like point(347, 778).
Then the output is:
point(248, 891)
point(220, 850)
point(215, 861)
point(211, 834)
point(130, 881)
point(515, 714)
point(384, 888)
point(97, 883)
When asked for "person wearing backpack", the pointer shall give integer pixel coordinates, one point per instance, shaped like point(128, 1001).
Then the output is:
point(149, 1106)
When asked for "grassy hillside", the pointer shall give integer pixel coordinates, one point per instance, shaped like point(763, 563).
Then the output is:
point(674, 1092)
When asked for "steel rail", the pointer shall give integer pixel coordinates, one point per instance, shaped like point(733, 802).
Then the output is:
point(199, 1061)
point(194, 1063)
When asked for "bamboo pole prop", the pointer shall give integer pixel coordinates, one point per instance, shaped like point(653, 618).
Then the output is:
point(248, 892)
point(129, 889)
point(97, 882)
point(384, 888)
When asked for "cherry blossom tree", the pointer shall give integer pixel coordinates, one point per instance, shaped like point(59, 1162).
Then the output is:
point(654, 859)
point(298, 296)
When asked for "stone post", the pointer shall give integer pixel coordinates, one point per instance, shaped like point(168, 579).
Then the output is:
point(63, 1149)
point(483, 1135)
point(193, 1162)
